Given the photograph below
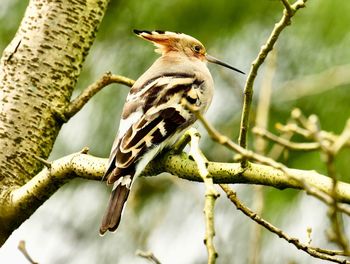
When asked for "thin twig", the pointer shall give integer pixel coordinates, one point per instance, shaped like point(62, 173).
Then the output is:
point(252, 215)
point(106, 79)
point(277, 150)
point(181, 143)
point(293, 128)
point(321, 194)
point(333, 150)
point(22, 247)
point(305, 146)
point(337, 236)
point(331, 252)
point(343, 139)
point(43, 161)
point(210, 194)
point(304, 131)
point(330, 150)
point(329, 146)
point(264, 51)
point(287, 6)
point(148, 255)
point(300, 118)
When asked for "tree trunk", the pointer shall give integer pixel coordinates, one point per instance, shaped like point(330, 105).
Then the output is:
point(38, 72)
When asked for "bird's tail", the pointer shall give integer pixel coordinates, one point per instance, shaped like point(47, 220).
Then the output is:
point(111, 218)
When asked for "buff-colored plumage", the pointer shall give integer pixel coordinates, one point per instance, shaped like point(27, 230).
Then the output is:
point(155, 113)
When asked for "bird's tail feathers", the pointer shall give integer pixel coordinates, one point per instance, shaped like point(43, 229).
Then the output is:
point(119, 195)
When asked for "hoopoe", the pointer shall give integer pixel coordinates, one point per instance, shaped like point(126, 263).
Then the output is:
point(155, 113)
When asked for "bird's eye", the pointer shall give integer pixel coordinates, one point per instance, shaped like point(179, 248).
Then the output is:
point(197, 48)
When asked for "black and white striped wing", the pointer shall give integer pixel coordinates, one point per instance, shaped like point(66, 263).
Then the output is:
point(152, 115)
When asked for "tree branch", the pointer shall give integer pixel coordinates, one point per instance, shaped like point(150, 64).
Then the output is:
point(264, 51)
point(330, 150)
point(147, 255)
point(324, 196)
point(22, 248)
point(305, 146)
point(210, 193)
point(44, 184)
point(31, 195)
point(295, 241)
point(78, 103)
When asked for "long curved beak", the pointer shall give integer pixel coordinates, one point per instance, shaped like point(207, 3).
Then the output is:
point(219, 62)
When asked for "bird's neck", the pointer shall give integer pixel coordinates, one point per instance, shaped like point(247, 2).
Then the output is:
point(177, 57)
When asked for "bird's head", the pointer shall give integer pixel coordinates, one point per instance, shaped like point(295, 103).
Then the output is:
point(166, 41)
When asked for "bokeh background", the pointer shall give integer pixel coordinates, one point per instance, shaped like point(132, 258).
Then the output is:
point(164, 214)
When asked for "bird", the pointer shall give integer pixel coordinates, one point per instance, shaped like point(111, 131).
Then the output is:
point(156, 112)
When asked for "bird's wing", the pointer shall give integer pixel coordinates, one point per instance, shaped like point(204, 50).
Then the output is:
point(153, 112)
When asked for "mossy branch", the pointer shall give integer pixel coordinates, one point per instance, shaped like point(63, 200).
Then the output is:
point(89, 167)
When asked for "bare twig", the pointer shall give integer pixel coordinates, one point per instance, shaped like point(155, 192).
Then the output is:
point(287, 6)
point(181, 143)
point(317, 191)
point(43, 161)
point(331, 252)
point(299, 117)
point(337, 235)
point(252, 215)
point(306, 146)
point(277, 150)
point(330, 145)
point(294, 129)
point(264, 51)
point(210, 194)
point(342, 140)
point(106, 79)
point(22, 247)
point(325, 136)
point(148, 255)
point(329, 149)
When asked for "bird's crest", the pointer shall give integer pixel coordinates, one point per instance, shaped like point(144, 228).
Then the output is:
point(166, 41)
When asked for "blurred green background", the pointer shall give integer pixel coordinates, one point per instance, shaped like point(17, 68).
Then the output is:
point(164, 214)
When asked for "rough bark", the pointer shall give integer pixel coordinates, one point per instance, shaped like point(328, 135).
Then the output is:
point(38, 72)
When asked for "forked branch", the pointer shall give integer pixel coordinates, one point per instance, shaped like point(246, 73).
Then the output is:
point(264, 51)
